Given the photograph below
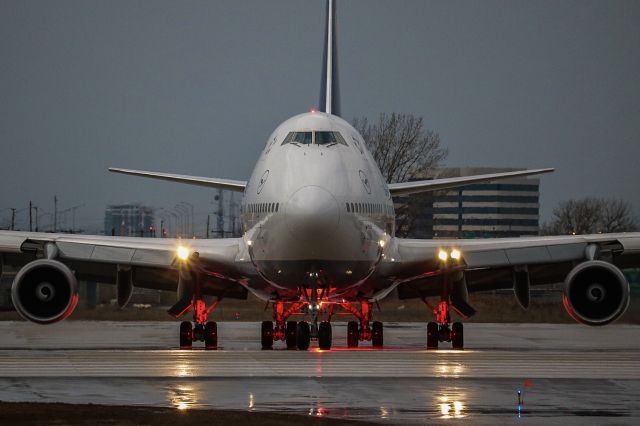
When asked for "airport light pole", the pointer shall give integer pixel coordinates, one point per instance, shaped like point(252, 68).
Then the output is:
point(184, 211)
point(190, 206)
point(175, 222)
point(55, 213)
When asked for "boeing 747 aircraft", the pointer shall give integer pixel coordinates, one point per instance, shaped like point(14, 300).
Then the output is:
point(319, 239)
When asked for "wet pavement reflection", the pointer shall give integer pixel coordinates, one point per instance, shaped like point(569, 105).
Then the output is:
point(576, 384)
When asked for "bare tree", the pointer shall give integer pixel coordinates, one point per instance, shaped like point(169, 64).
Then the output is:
point(401, 146)
point(590, 216)
point(404, 151)
point(617, 216)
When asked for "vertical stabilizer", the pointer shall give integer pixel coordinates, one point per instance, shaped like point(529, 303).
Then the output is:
point(330, 88)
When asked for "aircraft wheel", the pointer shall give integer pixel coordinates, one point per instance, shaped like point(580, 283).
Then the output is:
point(186, 335)
point(353, 335)
point(304, 335)
point(211, 335)
point(267, 335)
point(324, 335)
point(377, 337)
point(457, 336)
point(291, 334)
point(432, 335)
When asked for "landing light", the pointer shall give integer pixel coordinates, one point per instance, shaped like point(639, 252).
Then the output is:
point(381, 243)
point(442, 255)
point(455, 254)
point(183, 253)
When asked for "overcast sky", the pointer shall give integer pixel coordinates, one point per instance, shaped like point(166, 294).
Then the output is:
point(196, 87)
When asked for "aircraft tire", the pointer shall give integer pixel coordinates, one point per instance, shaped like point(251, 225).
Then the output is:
point(432, 335)
point(211, 335)
point(303, 335)
point(267, 335)
point(186, 335)
point(457, 336)
point(324, 335)
point(377, 336)
point(353, 335)
point(291, 334)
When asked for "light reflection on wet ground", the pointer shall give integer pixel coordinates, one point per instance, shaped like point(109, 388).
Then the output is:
point(573, 382)
point(402, 400)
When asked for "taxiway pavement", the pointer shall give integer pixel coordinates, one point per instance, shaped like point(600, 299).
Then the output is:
point(566, 373)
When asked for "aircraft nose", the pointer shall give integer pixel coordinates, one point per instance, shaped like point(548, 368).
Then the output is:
point(312, 213)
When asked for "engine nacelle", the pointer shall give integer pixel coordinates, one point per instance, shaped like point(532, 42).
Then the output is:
point(45, 291)
point(596, 293)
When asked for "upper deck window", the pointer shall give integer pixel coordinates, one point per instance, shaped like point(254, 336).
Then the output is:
point(319, 137)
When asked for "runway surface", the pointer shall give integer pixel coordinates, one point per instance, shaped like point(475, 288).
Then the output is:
point(569, 373)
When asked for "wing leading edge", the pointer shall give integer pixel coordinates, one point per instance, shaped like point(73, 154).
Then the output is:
point(406, 188)
point(228, 184)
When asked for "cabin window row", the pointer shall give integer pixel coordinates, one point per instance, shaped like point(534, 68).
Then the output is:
point(369, 208)
point(262, 208)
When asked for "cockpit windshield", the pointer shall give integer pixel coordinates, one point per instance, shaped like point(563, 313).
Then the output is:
point(319, 138)
point(301, 138)
point(329, 138)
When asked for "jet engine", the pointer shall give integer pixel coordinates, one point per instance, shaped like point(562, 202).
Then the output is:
point(596, 293)
point(45, 291)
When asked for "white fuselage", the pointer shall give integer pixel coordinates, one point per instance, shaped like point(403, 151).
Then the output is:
point(318, 211)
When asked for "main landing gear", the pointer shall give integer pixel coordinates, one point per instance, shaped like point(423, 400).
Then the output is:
point(441, 332)
point(454, 295)
point(298, 335)
point(201, 329)
point(363, 329)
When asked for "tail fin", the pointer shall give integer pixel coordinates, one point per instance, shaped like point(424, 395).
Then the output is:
point(330, 87)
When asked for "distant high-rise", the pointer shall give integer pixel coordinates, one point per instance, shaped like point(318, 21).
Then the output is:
point(129, 220)
point(509, 208)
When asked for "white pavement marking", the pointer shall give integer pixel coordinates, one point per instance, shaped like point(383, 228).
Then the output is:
point(340, 363)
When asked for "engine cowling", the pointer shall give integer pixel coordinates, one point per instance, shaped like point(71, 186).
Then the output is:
point(596, 293)
point(45, 291)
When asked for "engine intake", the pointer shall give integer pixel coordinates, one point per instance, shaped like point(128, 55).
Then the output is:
point(45, 291)
point(596, 293)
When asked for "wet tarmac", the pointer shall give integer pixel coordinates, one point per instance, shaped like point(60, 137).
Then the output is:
point(566, 373)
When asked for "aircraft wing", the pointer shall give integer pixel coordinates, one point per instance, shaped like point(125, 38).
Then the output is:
point(490, 263)
point(153, 260)
point(228, 184)
point(406, 188)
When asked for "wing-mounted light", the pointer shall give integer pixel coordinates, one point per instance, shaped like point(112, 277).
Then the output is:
point(449, 255)
point(183, 253)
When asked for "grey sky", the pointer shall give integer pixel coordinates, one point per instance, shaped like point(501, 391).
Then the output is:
point(197, 86)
